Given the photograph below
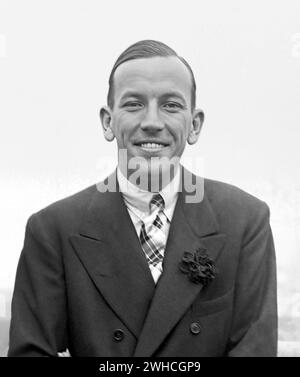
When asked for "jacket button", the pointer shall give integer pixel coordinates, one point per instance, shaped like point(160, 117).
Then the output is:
point(118, 335)
point(195, 328)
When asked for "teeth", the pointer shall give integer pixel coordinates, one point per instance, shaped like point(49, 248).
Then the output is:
point(151, 145)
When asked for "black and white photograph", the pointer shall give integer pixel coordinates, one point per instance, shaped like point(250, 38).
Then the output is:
point(150, 183)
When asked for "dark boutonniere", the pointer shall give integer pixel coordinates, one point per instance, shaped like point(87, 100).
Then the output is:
point(198, 266)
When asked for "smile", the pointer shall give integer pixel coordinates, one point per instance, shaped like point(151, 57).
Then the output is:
point(152, 147)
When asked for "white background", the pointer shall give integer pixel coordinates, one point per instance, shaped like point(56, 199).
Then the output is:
point(55, 59)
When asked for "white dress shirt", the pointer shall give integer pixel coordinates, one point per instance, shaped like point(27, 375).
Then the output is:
point(137, 203)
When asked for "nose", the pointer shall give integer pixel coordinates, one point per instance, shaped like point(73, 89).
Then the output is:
point(151, 120)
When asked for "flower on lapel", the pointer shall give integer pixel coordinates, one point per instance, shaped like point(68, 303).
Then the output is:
point(198, 266)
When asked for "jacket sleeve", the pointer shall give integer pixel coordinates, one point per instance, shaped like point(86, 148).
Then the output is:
point(254, 325)
point(38, 318)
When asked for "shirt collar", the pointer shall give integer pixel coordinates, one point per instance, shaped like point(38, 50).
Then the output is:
point(140, 199)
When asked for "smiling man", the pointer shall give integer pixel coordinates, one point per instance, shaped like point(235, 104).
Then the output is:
point(140, 270)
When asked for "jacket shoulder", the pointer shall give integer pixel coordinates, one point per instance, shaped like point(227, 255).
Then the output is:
point(71, 204)
point(63, 216)
point(217, 190)
point(231, 202)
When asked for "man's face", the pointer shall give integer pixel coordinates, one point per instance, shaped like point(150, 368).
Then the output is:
point(152, 114)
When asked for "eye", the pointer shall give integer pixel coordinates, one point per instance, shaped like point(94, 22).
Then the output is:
point(172, 106)
point(133, 105)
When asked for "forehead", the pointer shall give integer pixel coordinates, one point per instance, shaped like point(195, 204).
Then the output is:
point(153, 76)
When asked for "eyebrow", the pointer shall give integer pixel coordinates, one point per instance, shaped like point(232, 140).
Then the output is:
point(174, 94)
point(132, 93)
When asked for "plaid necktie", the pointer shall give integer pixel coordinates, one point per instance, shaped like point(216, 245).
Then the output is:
point(152, 236)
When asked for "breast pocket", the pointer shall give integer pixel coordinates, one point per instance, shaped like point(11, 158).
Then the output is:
point(206, 307)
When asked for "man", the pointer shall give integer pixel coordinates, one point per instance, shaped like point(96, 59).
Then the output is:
point(138, 269)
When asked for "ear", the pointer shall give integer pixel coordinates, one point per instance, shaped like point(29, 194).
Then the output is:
point(198, 119)
point(105, 116)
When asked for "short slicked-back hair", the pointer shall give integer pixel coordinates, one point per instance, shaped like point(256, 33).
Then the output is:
point(147, 49)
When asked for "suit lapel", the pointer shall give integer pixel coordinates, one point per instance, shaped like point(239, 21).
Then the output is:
point(109, 249)
point(193, 226)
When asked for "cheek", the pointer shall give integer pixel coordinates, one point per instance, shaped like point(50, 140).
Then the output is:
point(127, 121)
point(179, 127)
point(129, 117)
point(123, 125)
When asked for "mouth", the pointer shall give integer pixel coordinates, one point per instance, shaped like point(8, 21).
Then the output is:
point(151, 146)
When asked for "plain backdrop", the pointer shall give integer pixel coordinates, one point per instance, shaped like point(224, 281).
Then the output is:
point(55, 59)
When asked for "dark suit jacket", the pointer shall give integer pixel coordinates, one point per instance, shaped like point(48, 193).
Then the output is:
point(82, 275)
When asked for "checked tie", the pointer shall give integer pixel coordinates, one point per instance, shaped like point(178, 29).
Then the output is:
point(153, 236)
